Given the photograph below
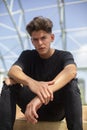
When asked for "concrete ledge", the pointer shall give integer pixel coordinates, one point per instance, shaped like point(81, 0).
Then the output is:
point(84, 125)
point(84, 112)
point(23, 125)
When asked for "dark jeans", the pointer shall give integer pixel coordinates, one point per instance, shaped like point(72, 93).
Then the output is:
point(66, 103)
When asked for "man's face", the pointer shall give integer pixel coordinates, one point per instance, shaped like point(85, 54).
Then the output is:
point(41, 41)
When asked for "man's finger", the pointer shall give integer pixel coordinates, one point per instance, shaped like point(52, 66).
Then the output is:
point(51, 94)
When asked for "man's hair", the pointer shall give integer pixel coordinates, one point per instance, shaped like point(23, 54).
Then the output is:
point(39, 23)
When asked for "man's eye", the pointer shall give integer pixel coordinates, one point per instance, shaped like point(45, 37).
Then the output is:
point(43, 38)
point(34, 39)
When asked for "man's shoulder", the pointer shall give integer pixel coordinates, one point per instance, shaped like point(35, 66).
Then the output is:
point(63, 52)
point(29, 51)
point(25, 52)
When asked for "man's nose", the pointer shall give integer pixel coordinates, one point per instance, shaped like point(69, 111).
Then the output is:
point(40, 41)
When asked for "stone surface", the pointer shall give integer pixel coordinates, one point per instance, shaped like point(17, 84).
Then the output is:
point(22, 124)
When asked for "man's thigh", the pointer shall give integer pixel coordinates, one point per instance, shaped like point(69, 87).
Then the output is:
point(24, 96)
point(54, 110)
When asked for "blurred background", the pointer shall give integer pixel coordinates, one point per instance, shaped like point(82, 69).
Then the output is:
point(70, 28)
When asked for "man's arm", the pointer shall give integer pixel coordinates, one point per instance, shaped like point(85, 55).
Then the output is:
point(40, 88)
point(31, 110)
point(64, 77)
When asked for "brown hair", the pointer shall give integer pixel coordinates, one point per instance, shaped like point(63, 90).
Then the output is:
point(39, 23)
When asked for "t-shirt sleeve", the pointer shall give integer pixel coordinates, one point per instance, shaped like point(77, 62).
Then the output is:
point(68, 59)
point(22, 60)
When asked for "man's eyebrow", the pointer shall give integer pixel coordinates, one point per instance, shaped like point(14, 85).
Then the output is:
point(38, 38)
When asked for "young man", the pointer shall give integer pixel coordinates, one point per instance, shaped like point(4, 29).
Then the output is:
point(42, 82)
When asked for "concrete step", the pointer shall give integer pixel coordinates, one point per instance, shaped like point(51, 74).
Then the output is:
point(23, 125)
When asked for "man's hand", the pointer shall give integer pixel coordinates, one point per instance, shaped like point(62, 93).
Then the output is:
point(42, 90)
point(31, 110)
point(9, 81)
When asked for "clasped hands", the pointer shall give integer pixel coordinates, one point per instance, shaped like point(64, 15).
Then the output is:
point(44, 95)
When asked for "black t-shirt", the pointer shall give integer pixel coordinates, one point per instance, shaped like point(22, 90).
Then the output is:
point(43, 69)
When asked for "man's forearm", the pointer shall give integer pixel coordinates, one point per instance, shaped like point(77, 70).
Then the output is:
point(19, 76)
point(64, 77)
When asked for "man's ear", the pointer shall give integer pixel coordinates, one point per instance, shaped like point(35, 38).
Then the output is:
point(52, 37)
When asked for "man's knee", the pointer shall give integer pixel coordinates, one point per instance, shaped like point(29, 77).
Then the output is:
point(72, 86)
